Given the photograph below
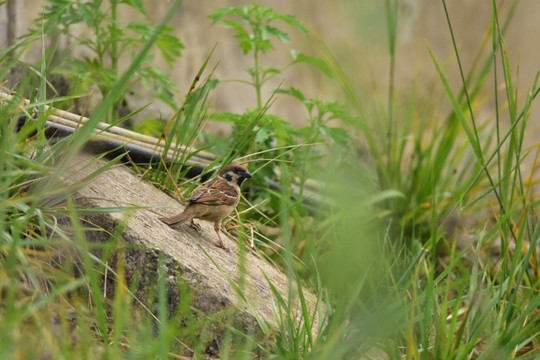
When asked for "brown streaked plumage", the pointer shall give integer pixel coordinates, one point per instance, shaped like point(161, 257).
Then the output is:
point(214, 200)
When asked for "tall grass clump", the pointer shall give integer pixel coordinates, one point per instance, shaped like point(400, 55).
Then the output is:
point(459, 294)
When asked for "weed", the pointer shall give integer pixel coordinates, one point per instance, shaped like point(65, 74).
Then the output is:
point(106, 43)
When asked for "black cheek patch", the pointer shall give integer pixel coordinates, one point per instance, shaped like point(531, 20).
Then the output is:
point(228, 176)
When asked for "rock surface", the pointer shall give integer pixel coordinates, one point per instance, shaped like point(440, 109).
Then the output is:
point(182, 251)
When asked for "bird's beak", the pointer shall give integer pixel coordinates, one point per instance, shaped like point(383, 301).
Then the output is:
point(247, 175)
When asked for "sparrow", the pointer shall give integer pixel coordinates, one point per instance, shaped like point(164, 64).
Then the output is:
point(214, 200)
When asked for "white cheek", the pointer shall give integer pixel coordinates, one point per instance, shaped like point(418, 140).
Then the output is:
point(233, 182)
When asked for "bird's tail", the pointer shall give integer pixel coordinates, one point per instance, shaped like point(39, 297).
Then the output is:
point(176, 219)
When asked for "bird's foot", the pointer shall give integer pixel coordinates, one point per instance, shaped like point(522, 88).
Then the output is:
point(195, 226)
point(222, 246)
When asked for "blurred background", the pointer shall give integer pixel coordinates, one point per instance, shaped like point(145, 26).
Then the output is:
point(356, 33)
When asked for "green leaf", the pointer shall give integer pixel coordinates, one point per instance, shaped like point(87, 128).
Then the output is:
point(266, 45)
point(170, 45)
point(137, 5)
point(293, 92)
point(271, 70)
point(338, 136)
point(140, 27)
point(264, 134)
point(313, 60)
point(227, 116)
point(284, 37)
point(92, 15)
point(246, 42)
point(218, 14)
point(291, 20)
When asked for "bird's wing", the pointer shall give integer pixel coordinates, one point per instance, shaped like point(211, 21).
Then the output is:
point(214, 193)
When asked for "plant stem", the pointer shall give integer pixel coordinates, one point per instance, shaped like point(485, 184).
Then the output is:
point(256, 69)
point(114, 55)
point(391, 20)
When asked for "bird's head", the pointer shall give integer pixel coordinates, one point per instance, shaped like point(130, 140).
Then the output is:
point(235, 174)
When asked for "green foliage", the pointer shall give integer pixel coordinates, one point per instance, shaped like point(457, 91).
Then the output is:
point(391, 281)
point(109, 42)
point(273, 137)
point(253, 27)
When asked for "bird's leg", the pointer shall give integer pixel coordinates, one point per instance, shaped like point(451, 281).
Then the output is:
point(217, 226)
point(194, 225)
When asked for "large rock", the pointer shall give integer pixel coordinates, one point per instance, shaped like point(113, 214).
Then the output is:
point(184, 252)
